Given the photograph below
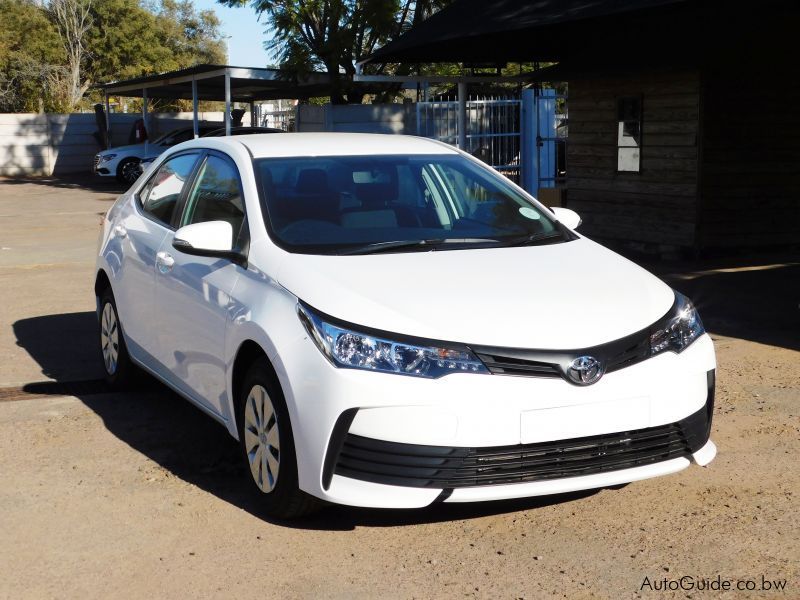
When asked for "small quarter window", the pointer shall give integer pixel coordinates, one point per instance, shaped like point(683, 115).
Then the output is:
point(629, 134)
point(160, 195)
point(216, 196)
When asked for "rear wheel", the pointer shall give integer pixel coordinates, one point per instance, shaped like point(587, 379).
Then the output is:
point(116, 361)
point(267, 445)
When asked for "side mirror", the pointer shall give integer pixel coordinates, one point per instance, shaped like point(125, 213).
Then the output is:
point(567, 217)
point(212, 238)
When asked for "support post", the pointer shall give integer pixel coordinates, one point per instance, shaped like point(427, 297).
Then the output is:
point(529, 162)
point(108, 122)
point(144, 118)
point(253, 115)
point(462, 115)
point(227, 102)
point(195, 123)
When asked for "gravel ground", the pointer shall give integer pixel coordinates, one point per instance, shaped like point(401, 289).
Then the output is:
point(137, 495)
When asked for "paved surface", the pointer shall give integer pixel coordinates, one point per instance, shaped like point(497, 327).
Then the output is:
point(136, 495)
point(48, 233)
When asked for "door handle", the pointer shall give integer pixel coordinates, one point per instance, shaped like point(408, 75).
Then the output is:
point(120, 231)
point(164, 262)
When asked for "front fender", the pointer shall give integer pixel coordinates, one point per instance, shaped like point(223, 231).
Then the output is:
point(265, 313)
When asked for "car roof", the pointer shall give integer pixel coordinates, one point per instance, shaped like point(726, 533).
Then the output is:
point(220, 131)
point(337, 144)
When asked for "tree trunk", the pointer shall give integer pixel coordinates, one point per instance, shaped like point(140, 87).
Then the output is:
point(73, 20)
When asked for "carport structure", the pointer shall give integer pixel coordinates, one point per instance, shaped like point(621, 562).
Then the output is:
point(219, 83)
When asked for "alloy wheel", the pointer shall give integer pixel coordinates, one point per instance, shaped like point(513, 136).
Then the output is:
point(130, 172)
point(262, 439)
point(109, 338)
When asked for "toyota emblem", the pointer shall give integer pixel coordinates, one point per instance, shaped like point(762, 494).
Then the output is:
point(585, 370)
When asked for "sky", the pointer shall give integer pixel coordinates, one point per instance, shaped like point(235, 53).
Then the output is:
point(245, 34)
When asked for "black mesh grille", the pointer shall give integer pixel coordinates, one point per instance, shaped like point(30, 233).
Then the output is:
point(444, 467)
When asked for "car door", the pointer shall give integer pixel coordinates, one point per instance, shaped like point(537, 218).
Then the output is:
point(140, 232)
point(194, 293)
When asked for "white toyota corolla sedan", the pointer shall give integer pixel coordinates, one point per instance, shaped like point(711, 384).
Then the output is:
point(385, 321)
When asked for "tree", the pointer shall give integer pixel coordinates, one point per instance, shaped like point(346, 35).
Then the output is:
point(31, 56)
point(52, 54)
point(129, 39)
point(334, 35)
point(192, 37)
point(73, 19)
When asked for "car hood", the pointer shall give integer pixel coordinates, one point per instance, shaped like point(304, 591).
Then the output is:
point(562, 296)
point(137, 150)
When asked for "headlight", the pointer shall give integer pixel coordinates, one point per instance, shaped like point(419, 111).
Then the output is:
point(107, 157)
point(357, 350)
point(678, 330)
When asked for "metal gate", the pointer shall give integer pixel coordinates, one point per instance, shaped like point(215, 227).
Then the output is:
point(493, 129)
point(524, 139)
point(278, 119)
point(544, 133)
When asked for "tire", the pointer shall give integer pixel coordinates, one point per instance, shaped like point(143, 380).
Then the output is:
point(117, 364)
point(263, 420)
point(127, 171)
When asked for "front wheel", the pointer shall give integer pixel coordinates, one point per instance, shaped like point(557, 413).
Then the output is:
point(128, 171)
point(267, 445)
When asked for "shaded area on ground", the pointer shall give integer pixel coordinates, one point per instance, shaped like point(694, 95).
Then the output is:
point(759, 302)
point(66, 346)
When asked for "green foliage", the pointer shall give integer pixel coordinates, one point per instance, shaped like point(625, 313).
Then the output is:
point(30, 52)
point(126, 39)
point(333, 35)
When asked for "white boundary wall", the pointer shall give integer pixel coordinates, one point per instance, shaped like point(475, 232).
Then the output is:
point(57, 144)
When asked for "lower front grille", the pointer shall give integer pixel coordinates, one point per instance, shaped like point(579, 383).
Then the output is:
point(444, 467)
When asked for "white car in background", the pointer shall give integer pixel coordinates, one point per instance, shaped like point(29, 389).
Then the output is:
point(385, 321)
point(146, 162)
point(123, 162)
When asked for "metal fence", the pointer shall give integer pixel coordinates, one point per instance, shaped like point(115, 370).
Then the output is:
point(279, 119)
point(523, 138)
point(493, 129)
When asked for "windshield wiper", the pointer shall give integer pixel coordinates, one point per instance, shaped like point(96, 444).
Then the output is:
point(532, 239)
point(431, 244)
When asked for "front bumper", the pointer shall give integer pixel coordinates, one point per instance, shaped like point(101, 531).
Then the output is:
point(382, 440)
point(103, 168)
point(449, 468)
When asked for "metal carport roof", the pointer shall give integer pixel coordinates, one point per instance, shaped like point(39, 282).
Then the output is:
point(247, 84)
point(219, 82)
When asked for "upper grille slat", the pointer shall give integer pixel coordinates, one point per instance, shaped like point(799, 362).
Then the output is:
point(614, 355)
point(508, 365)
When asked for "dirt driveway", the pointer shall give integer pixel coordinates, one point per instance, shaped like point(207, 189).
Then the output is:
point(140, 495)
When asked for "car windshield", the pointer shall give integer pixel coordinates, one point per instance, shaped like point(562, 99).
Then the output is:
point(367, 204)
point(176, 136)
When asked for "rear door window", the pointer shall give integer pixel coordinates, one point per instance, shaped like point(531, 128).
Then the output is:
point(161, 193)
